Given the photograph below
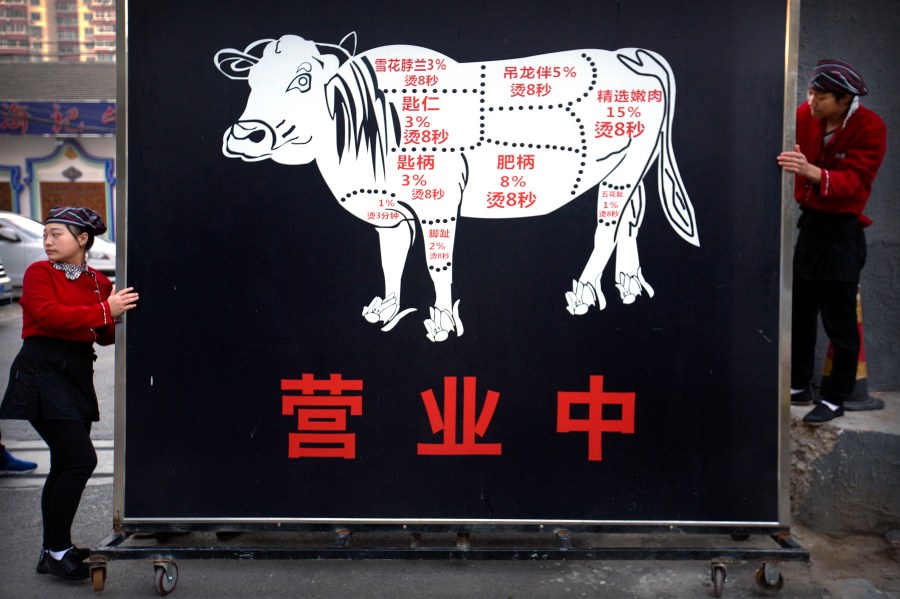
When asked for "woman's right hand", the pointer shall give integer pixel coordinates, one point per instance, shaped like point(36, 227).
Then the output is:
point(122, 301)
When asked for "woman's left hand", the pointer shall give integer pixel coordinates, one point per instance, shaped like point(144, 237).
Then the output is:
point(122, 301)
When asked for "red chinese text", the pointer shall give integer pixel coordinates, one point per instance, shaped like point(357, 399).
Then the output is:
point(540, 72)
point(321, 407)
point(383, 215)
point(425, 136)
point(521, 90)
point(630, 129)
point(419, 103)
point(15, 117)
point(513, 199)
point(421, 162)
point(506, 162)
point(596, 423)
point(427, 194)
point(109, 115)
point(472, 425)
point(619, 96)
point(66, 124)
point(409, 65)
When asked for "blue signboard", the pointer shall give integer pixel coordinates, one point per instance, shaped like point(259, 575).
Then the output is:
point(57, 118)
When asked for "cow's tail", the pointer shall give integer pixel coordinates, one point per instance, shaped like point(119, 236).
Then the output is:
point(675, 201)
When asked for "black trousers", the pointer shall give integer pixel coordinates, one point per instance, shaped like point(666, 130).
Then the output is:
point(72, 461)
point(835, 302)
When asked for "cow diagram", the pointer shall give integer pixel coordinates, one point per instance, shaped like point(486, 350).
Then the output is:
point(409, 140)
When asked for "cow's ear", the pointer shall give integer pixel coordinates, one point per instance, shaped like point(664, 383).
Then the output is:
point(349, 43)
point(234, 64)
point(330, 62)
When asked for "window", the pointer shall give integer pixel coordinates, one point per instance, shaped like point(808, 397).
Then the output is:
point(36, 31)
point(35, 16)
point(88, 31)
point(35, 2)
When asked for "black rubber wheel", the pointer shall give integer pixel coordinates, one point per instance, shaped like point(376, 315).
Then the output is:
point(165, 578)
point(718, 579)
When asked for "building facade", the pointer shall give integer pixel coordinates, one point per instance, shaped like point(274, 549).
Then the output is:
point(57, 137)
point(58, 30)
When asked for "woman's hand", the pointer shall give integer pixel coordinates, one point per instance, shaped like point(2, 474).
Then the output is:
point(795, 162)
point(122, 301)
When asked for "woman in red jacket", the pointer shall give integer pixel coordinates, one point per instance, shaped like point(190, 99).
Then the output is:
point(840, 145)
point(66, 307)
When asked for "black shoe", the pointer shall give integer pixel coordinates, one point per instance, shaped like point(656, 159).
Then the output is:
point(42, 567)
point(859, 405)
point(804, 398)
point(70, 567)
point(822, 414)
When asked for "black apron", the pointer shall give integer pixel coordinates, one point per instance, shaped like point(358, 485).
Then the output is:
point(52, 379)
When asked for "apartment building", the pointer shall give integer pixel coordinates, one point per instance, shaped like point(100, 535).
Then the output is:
point(58, 31)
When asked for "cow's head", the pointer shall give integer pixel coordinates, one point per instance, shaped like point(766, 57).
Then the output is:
point(286, 113)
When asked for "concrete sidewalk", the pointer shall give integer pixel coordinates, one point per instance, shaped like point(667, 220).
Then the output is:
point(852, 465)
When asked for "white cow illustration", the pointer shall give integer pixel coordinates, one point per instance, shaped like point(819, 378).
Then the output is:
point(408, 139)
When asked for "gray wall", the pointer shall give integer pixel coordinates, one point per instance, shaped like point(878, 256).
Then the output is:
point(866, 33)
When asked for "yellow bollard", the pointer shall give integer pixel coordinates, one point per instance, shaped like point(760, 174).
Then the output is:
point(860, 399)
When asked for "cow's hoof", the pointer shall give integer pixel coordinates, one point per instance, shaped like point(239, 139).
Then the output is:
point(581, 298)
point(439, 325)
point(631, 286)
point(381, 310)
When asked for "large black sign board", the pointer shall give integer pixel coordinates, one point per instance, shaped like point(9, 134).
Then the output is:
point(256, 275)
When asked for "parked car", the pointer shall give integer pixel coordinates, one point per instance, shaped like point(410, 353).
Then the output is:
point(5, 288)
point(22, 242)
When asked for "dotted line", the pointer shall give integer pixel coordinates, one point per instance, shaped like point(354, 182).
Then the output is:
point(369, 192)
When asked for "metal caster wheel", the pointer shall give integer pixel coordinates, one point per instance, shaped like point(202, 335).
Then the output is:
point(769, 578)
point(165, 577)
point(98, 578)
point(717, 574)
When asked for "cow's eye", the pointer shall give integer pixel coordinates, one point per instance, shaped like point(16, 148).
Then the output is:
point(301, 82)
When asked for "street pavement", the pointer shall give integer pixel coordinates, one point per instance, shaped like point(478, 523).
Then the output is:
point(20, 539)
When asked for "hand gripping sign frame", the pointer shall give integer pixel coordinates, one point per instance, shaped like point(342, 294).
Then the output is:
point(623, 396)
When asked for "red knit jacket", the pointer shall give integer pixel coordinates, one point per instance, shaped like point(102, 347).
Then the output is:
point(849, 162)
point(53, 306)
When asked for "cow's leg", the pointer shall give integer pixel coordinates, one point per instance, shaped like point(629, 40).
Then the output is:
point(629, 278)
point(439, 237)
point(394, 243)
point(586, 289)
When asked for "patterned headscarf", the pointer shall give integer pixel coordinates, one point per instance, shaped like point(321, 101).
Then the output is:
point(85, 218)
point(837, 77)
